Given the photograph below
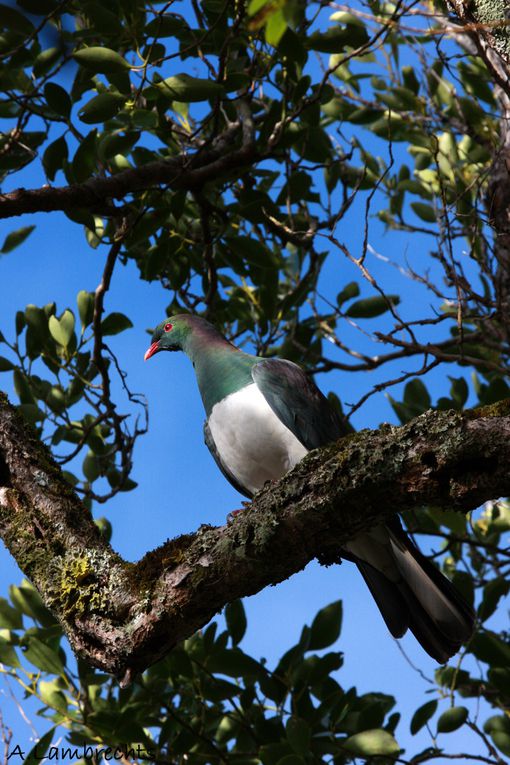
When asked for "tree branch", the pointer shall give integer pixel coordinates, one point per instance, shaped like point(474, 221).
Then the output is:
point(184, 171)
point(122, 617)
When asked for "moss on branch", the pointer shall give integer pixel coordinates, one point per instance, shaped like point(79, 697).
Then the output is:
point(122, 617)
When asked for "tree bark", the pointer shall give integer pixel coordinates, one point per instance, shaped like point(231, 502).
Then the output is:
point(187, 171)
point(487, 34)
point(122, 617)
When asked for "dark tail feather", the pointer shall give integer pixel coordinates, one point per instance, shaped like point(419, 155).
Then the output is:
point(393, 607)
point(420, 599)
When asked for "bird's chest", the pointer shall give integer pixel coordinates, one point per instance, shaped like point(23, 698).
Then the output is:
point(251, 441)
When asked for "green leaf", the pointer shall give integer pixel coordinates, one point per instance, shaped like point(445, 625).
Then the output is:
point(84, 160)
point(298, 734)
point(490, 648)
point(493, 591)
point(183, 87)
point(57, 99)
point(350, 291)
point(326, 626)
point(498, 727)
point(459, 391)
point(257, 5)
point(364, 116)
point(37, 320)
point(422, 716)
point(253, 252)
point(8, 655)
point(13, 20)
point(236, 620)
point(38, 751)
point(95, 235)
point(410, 80)
point(291, 759)
point(22, 388)
point(102, 107)
point(15, 238)
point(234, 663)
point(90, 467)
point(452, 719)
point(56, 399)
point(6, 365)
point(371, 742)
point(416, 396)
point(45, 60)
point(19, 322)
point(10, 618)
point(500, 677)
point(368, 308)
point(502, 741)
point(103, 60)
point(424, 212)
point(105, 527)
point(62, 329)
point(276, 26)
point(497, 722)
point(52, 696)
point(27, 599)
point(216, 689)
point(165, 26)
point(335, 39)
point(115, 323)
point(54, 157)
point(43, 657)
point(85, 301)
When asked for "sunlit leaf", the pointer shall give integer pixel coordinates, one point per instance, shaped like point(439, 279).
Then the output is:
point(100, 59)
point(372, 742)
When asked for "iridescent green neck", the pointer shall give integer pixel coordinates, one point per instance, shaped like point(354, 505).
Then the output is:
point(220, 368)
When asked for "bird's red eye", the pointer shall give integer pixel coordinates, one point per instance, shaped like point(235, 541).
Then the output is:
point(168, 327)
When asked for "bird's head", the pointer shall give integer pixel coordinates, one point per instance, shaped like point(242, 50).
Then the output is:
point(169, 335)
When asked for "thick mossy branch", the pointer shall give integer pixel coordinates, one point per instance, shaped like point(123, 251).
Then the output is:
point(493, 15)
point(486, 23)
point(122, 617)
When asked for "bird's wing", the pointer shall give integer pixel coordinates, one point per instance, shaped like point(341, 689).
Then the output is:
point(297, 402)
point(209, 442)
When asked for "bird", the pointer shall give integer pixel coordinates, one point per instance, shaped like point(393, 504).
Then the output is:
point(263, 415)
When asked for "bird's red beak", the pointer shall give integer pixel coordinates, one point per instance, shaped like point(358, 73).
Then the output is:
point(151, 351)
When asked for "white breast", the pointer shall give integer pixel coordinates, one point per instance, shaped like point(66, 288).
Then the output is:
point(252, 442)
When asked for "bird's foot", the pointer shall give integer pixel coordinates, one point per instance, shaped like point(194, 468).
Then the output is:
point(234, 513)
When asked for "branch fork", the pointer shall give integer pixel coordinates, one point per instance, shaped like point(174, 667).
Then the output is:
point(123, 617)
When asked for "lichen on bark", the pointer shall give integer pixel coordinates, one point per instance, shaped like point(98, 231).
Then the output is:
point(124, 616)
point(495, 14)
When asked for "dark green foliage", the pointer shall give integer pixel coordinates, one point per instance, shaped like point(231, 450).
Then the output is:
point(211, 700)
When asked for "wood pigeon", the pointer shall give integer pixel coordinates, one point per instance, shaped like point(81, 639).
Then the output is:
point(263, 416)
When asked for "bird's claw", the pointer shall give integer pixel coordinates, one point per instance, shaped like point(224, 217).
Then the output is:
point(234, 513)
